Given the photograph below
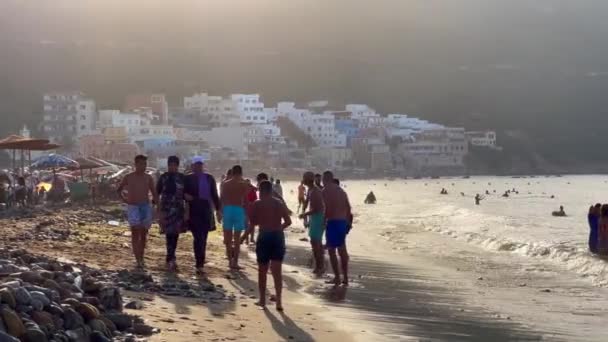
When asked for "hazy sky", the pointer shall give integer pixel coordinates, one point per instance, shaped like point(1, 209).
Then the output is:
point(494, 62)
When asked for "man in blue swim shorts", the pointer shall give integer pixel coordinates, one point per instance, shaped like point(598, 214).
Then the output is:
point(272, 216)
point(316, 220)
point(135, 190)
point(339, 217)
point(233, 194)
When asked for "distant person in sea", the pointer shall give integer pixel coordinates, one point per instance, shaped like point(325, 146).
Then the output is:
point(301, 196)
point(370, 198)
point(138, 186)
point(316, 222)
point(602, 246)
point(560, 212)
point(338, 216)
point(200, 191)
point(171, 211)
point(272, 217)
point(478, 199)
point(233, 195)
point(278, 188)
point(443, 191)
point(594, 219)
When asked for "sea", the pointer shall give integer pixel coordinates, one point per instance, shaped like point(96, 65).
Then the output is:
point(507, 260)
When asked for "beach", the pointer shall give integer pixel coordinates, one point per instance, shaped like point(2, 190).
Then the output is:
point(424, 267)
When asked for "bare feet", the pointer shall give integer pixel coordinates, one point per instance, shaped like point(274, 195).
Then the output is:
point(261, 305)
point(335, 281)
point(279, 307)
point(200, 272)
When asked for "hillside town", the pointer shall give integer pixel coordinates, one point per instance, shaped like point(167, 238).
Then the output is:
point(241, 128)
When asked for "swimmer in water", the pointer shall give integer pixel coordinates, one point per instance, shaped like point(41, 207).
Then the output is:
point(478, 199)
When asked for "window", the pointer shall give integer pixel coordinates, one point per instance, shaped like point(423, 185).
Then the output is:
point(156, 99)
point(83, 107)
point(83, 127)
point(248, 118)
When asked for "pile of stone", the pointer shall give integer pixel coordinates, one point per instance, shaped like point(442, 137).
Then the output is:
point(45, 300)
point(42, 224)
point(144, 282)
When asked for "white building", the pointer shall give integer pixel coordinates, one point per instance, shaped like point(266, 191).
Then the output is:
point(250, 108)
point(234, 138)
point(445, 147)
point(138, 126)
point(320, 127)
point(482, 139)
point(67, 115)
point(219, 111)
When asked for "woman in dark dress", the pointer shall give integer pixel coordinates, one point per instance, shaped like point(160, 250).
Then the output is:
point(170, 188)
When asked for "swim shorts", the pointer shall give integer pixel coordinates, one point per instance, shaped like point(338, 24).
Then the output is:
point(270, 246)
point(234, 218)
point(139, 215)
point(316, 227)
point(335, 233)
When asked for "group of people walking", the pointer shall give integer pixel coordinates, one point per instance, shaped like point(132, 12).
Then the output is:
point(192, 203)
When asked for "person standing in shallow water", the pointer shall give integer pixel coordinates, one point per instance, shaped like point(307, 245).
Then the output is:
point(272, 217)
point(170, 188)
point(594, 218)
point(200, 191)
point(316, 221)
point(339, 218)
point(138, 186)
point(233, 195)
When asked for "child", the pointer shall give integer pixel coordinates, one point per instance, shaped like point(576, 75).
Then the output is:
point(272, 216)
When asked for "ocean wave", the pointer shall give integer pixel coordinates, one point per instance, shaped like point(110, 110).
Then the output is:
point(573, 258)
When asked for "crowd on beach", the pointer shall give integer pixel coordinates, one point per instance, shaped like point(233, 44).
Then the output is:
point(195, 201)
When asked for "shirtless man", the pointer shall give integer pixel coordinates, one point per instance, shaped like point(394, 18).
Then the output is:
point(339, 217)
point(233, 195)
point(272, 216)
point(316, 220)
point(138, 185)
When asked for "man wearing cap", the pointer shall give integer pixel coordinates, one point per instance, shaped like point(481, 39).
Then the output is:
point(200, 191)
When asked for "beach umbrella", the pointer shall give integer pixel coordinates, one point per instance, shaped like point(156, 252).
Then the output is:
point(54, 161)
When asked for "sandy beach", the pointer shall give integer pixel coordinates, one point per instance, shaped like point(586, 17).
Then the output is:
point(231, 317)
point(414, 277)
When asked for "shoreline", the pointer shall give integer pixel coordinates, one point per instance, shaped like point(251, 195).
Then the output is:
point(183, 306)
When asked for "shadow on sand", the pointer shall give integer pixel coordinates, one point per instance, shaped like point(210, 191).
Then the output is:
point(397, 302)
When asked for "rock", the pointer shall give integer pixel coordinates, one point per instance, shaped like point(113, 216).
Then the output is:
point(7, 297)
point(97, 336)
point(73, 302)
point(36, 305)
point(110, 298)
point(43, 318)
point(14, 284)
point(34, 335)
point(546, 290)
point(143, 329)
point(55, 310)
point(22, 296)
point(72, 319)
point(87, 311)
point(121, 321)
point(135, 305)
point(109, 324)
point(47, 274)
point(89, 285)
point(51, 284)
point(77, 335)
point(14, 325)
point(36, 295)
point(24, 308)
point(4, 337)
point(99, 326)
point(32, 277)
